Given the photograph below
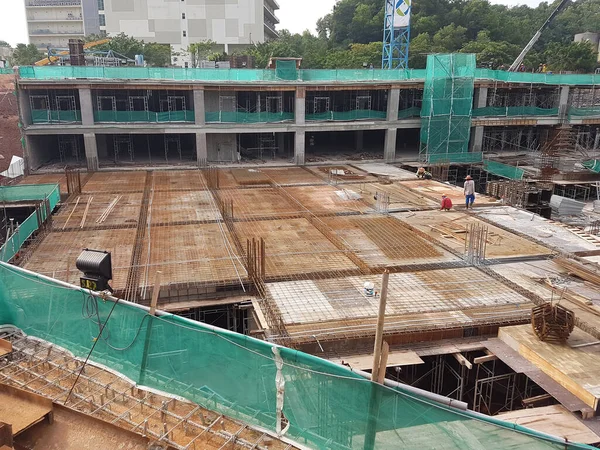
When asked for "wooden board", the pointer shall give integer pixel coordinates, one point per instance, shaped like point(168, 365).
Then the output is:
point(575, 368)
point(31, 408)
point(5, 347)
point(365, 362)
point(555, 420)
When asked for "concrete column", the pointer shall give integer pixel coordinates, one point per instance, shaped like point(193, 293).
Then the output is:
point(87, 108)
point(26, 151)
point(393, 104)
point(481, 95)
point(24, 107)
point(201, 149)
point(563, 104)
point(300, 109)
point(359, 140)
point(300, 148)
point(91, 151)
point(199, 107)
point(597, 139)
point(389, 150)
point(281, 143)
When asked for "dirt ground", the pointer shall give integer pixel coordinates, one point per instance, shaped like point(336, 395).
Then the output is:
point(10, 136)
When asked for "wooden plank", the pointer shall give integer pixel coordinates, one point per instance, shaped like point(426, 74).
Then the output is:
point(463, 361)
point(31, 408)
point(364, 361)
point(5, 347)
point(484, 359)
point(262, 321)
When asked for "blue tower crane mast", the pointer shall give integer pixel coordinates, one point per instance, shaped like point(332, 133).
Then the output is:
point(396, 34)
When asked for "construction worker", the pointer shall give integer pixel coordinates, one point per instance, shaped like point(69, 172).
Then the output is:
point(446, 203)
point(423, 174)
point(469, 191)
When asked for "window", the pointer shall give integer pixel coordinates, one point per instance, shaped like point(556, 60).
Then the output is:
point(100, 5)
point(187, 65)
point(102, 20)
point(184, 33)
point(183, 15)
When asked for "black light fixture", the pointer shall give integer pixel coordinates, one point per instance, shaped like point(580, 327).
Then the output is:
point(96, 266)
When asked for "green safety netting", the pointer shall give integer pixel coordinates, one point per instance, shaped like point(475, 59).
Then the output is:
point(49, 116)
point(327, 405)
point(592, 164)
point(538, 78)
point(447, 105)
point(583, 112)
point(503, 170)
point(356, 114)
point(25, 229)
point(144, 116)
point(508, 111)
point(6, 71)
point(466, 158)
point(244, 117)
point(415, 111)
point(286, 70)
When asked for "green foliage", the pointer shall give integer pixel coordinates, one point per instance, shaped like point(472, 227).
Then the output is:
point(4, 44)
point(199, 51)
point(575, 56)
point(124, 45)
point(26, 55)
point(157, 55)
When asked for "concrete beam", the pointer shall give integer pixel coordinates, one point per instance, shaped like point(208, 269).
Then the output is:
point(300, 107)
point(91, 151)
point(389, 150)
point(199, 107)
point(201, 149)
point(87, 108)
point(393, 104)
point(300, 148)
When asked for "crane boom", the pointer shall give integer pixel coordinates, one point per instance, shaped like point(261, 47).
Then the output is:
point(51, 59)
point(515, 65)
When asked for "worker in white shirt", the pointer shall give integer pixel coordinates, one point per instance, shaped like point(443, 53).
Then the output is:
point(469, 191)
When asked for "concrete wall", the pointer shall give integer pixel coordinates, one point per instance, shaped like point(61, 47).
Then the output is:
point(221, 147)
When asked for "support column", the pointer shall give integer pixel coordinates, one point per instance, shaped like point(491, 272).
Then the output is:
point(91, 151)
point(393, 104)
point(597, 139)
point(199, 107)
point(359, 140)
point(201, 149)
point(480, 95)
point(24, 107)
point(86, 105)
point(389, 151)
point(300, 109)
point(281, 144)
point(563, 104)
point(299, 148)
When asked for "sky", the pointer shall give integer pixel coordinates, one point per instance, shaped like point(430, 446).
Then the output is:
point(295, 15)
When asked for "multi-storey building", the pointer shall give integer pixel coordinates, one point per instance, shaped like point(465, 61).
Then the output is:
point(232, 25)
point(102, 117)
point(51, 23)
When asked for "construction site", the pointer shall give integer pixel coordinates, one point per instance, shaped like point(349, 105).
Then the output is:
point(243, 258)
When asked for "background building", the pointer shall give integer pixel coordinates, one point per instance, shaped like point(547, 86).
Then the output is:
point(51, 23)
point(232, 25)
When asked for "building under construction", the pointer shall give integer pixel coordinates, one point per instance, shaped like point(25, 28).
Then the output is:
point(246, 297)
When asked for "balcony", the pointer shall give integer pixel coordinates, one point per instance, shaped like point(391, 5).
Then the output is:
point(55, 33)
point(273, 4)
point(270, 14)
point(52, 3)
point(270, 29)
point(64, 19)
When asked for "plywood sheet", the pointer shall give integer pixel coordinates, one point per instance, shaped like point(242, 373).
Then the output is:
point(365, 361)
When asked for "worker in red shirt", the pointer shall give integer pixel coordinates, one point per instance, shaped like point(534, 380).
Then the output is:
point(446, 203)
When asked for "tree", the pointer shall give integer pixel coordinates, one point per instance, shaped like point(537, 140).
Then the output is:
point(199, 51)
point(419, 48)
point(123, 45)
point(449, 39)
point(26, 55)
point(157, 55)
point(491, 54)
point(4, 44)
point(574, 56)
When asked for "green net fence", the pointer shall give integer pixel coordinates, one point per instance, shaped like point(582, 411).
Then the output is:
point(6, 71)
point(327, 405)
point(464, 158)
point(52, 116)
point(447, 105)
point(538, 78)
point(508, 111)
point(245, 117)
point(503, 170)
point(592, 164)
point(25, 229)
point(356, 114)
point(584, 112)
point(286, 70)
point(415, 111)
point(144, 116)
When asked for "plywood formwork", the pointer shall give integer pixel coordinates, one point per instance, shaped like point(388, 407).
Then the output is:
point(292, 176)
point(182, 206)
point(339, 307)
point(48, 178)
point(179, 180)
point(123, 214)
point(351, 175)
point(56, 254)
point(400, 197)
point(329, 199)
point(119, 182)
point(295, 248)
point(383, 241)
point(450, 229)
point(574, 364)
point(434, 190)
point(250, 204)
point(386, 170)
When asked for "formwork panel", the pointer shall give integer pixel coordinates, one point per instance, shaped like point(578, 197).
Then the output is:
point(400, 196)
point(294, 247)
point(384, 241)
point(434, 190)
point(329, 199)
point(57, 253)
point(450, 228)
point(124, 213)
point(179, 180)
point(198, 253)
point(258, 202)
point(47, 178)
point(292, 176)
point(182, 206)
point(350, 174)
point(132, 181)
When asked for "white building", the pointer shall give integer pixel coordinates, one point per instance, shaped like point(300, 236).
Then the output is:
point(51, 23)
point(232, 24)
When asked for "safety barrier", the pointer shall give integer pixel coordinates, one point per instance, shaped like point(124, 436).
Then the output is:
point(510, 111)
point(503, 170)
point(357, 114)
point(53, 116)
point(244, 117)
point(144, 116)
